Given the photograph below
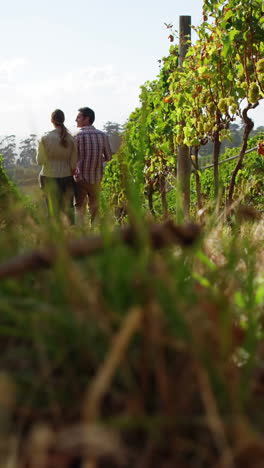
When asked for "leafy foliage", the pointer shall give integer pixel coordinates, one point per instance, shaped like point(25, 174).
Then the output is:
point(250, 178)
point(221, 80)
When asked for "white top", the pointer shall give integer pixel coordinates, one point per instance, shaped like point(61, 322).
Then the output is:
point(57, 160)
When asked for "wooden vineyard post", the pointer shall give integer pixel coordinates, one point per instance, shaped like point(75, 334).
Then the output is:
point(184, 160)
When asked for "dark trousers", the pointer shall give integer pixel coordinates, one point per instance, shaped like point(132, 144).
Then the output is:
point(84, 191)
point(59, 194)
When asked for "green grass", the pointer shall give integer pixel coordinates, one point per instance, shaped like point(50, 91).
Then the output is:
point(171, 339)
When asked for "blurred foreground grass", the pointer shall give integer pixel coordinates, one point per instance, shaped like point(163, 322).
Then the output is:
point(132, 356)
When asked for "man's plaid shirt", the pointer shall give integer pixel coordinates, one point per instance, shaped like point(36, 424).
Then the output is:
point(93, 150)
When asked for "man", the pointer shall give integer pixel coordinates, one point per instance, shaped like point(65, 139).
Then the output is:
point(93, 151)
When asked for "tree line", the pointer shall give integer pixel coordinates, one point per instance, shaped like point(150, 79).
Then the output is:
point(24, 153)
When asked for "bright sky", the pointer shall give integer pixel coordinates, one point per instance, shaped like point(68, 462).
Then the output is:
point(62, 54)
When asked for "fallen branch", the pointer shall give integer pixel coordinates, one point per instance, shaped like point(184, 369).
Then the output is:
point(159, 235)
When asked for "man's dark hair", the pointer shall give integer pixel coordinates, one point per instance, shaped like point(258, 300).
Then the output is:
point(87, 112)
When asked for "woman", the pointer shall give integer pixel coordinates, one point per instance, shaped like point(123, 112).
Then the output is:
point(57, 153)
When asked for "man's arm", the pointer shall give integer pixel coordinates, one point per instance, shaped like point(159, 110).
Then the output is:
point(107, 149)
point(74, 157)
point(80, 146)
point(80, 139)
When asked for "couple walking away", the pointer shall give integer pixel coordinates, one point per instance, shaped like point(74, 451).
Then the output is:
point(72, 167)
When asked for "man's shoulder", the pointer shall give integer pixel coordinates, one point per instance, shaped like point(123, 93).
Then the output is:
point(101, 132)
point(91, 130)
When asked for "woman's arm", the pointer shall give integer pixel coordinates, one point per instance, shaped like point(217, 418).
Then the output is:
point(41, 154)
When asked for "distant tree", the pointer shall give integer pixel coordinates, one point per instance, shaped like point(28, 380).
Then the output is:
point(114, 131)
point(257, 131)
point(8, 151)
point(234, 142)
point(236, 137)
point(112, 128)
point(28, 151)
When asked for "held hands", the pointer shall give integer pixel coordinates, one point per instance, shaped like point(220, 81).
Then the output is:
point(76, 174)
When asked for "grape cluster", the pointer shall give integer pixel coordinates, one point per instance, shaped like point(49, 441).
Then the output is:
point(253, 94)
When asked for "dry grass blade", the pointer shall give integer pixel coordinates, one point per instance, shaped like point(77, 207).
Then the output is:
point(102, 380)
point(214, 421)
